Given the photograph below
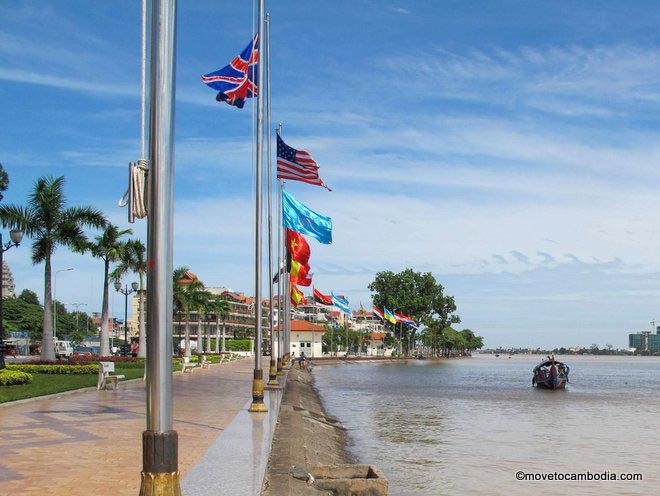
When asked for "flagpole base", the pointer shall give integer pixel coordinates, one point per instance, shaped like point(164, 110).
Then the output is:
point(258, 404)
point(272, 374)
point(160, 474)
point(279, 367)
point(160, 484)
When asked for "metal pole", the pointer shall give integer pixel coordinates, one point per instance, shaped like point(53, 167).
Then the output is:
point(272, 372)
point(126, 293)
point(280, 313)
point(160, 473)
point(2, 294)
point(258, 404)
point(282, 281)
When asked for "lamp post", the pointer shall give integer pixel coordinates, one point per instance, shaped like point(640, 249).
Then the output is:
point(78, 305)
point(126, 292)
point(16, 238)
point(55, 300)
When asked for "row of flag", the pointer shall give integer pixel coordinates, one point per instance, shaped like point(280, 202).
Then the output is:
point(237, 82)
point(394, 317)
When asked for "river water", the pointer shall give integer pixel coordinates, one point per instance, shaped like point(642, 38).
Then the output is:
point(467, 426)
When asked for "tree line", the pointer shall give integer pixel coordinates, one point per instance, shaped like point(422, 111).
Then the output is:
point(25, 313)
point(192, 296)
point(419, 296)
point(49, 223)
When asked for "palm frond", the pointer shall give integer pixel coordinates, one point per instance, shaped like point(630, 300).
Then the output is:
point(42, 248)
point(17, 217)
point(47, 197)
point(85, 217)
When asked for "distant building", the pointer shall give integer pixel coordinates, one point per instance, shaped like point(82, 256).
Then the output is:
point(367, 321)
point(645, 341)
point(306, 337)
point(113, 324)
point(8, 286)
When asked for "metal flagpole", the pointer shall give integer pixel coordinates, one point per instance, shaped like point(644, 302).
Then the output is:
point(272, 372)
point(287, 311)
point(286, 338)
point(280, 313)
point(258, 404)
point(160, 474)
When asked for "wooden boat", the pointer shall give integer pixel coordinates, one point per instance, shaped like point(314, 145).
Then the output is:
point(550, 374)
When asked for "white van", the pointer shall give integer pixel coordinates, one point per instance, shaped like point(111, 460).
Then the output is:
point(63, 349)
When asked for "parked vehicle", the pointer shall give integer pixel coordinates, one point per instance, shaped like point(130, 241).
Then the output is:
point(63, 349)
point(83, 351)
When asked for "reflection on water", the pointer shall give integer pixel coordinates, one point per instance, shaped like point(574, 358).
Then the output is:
point(467, 426)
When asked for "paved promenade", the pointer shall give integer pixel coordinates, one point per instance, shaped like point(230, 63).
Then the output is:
point(90, 442)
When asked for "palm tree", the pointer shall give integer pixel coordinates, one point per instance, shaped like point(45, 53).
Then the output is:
point(134, 260)
point(221, 309)
point(187, 297)
point(200, 303)
point(110, 248)
point(48, 222)
point(178, 294)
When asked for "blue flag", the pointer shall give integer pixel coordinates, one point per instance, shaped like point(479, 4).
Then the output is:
point(304, 220)
point(340, 303)
point(237, 81)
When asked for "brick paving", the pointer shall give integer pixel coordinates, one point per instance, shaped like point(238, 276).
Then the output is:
point(90, 442)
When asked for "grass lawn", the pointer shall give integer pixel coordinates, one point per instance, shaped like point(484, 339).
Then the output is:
point(43, 384)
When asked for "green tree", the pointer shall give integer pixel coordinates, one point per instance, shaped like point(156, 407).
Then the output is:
point(416, 295)
point(333, 339)
point(68, 323)
point(29, 297)
point(20, 315)
point(220, 308)
point(49, 223)
point(472, 341)
point(178, 293)
point(188, 297)
point(134, 259)
point(109, 247)
point(4, 181)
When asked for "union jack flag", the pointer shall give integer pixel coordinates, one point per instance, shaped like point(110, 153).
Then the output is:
point(297, 165)
point(237, 81)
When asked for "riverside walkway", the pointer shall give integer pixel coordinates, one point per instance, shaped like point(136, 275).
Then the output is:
point(90, 442)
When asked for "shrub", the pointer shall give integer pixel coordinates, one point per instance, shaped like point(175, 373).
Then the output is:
point(238, 344)
point(54, 369)
point(11, 377)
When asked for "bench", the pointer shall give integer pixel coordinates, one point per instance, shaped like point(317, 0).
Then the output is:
point(187, 365)
point(107, 376)
point(204, 362)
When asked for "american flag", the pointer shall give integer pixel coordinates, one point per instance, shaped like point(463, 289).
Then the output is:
point(237, 81)
point(297, 165)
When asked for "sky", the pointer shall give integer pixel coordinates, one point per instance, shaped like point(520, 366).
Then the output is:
point(510, 148)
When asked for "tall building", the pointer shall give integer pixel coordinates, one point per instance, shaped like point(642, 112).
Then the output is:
point(8, 286)
point(645, 341)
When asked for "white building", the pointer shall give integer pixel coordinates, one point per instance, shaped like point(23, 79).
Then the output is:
point(306, 337)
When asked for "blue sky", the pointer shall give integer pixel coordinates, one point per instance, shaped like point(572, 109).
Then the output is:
point(509, 147)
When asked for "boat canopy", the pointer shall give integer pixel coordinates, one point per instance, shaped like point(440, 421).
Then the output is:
point(548, 363)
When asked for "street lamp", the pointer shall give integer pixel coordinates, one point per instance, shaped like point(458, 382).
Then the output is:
point(78, 305)
point(126, 292)
point(16, 236)
point(55, 299)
